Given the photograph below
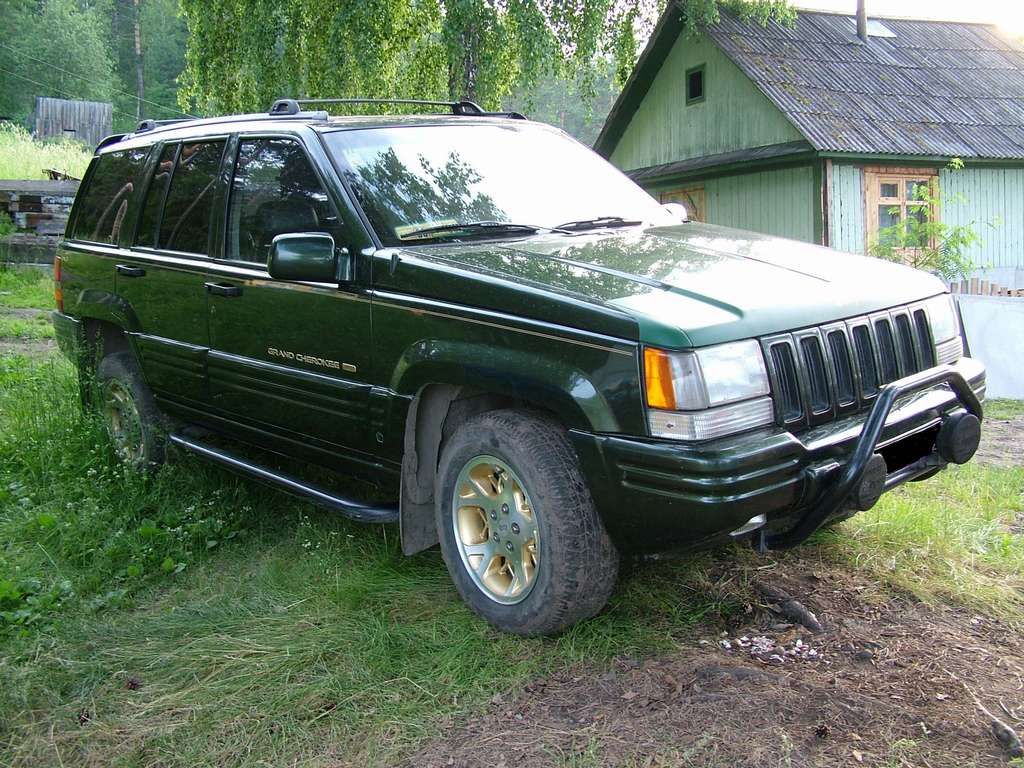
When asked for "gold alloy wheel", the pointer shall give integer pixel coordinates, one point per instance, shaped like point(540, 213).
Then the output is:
point(123, 423)
point(496, 530)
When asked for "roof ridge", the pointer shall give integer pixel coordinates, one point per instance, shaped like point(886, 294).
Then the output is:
point(879, 17)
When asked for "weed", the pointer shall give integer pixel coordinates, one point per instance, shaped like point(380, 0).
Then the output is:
point(22, 157)
point(26, 288)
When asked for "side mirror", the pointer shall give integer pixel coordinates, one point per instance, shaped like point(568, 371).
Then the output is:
point(309, 257)
point(678, 210)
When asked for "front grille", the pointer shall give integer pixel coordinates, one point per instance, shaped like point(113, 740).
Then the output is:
point(818, 374)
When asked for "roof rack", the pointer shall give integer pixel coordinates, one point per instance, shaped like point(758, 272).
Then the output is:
point(108, 140)
point(152, 125)
point(467, 108)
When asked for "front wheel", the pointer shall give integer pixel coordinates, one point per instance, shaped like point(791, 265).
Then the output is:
point(519, 532)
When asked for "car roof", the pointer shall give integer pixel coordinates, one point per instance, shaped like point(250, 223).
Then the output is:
point(175, 130)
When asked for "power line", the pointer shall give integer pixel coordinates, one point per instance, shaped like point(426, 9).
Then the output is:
point(94, 82)
point(62, 93)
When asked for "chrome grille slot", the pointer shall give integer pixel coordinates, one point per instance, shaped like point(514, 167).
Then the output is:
point(843, 367)
point(817, 378)
point(819, 374)
point(886, 351)
point(925, 344)
point(905, 345)
point(866, 361)
point(788, 384)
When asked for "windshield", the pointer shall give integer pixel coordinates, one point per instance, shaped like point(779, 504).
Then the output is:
point(416, 178)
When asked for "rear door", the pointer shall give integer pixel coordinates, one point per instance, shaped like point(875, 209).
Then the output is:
point(162, 280)
point(291, 357)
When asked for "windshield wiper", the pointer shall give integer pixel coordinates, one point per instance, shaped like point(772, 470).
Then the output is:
point(597, 222)
point(478, 227)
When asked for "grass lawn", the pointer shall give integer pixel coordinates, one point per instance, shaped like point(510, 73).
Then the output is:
point(197, 619)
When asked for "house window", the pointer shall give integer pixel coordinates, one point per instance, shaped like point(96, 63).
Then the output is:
point(695, 85)
point(690, 197)
point(895, 195)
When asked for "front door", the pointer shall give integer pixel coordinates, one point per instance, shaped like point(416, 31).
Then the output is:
point(162, 279)
point(289, 357)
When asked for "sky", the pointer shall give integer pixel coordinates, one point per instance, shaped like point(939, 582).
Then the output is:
point(1008, 14)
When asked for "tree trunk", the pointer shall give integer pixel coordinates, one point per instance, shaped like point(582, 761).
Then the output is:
point(139, 82)
point(462, 71)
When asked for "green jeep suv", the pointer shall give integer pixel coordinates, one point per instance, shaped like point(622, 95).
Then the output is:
point(543, 367)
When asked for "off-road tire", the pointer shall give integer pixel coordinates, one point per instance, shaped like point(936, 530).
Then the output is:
point(119, 379)
point(578, 564)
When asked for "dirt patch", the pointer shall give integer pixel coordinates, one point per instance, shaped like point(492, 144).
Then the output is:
point(24, 313)
point(1002, 442)
point(30, 347)
point(890, 683)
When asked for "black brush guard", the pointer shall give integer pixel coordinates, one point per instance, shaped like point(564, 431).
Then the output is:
point(834, 499)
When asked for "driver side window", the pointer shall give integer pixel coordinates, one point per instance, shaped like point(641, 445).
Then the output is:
point(274, 191)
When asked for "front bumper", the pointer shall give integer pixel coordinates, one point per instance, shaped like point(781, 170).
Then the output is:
point(658, 494)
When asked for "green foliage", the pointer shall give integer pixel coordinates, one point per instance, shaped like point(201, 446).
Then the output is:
point(925, 241)
point(6, 225)
point(85, 50)
point(243, 53)
point(22, 157)
point(71, 39)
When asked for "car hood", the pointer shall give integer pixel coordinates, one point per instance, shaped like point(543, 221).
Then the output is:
point(698, 284)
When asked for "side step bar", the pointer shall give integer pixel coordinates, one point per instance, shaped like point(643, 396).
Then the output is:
point(364, 513)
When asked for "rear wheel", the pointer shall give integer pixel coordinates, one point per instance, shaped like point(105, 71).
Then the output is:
point(129, 412)
point(519, 531)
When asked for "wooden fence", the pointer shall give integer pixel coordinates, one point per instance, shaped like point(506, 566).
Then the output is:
point(87, 121)
point(976, 287)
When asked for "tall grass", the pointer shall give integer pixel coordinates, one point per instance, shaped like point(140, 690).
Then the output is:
point(22, 157)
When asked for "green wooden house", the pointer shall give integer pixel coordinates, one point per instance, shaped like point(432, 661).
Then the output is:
point(814, 133)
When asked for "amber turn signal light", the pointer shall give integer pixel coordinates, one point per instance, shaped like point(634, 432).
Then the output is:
point(658, 380)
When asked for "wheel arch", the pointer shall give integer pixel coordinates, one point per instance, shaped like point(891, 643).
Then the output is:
point(436, 411)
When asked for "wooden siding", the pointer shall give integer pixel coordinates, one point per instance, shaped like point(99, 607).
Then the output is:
point(778, 202)
point(846, 208)
point(733, 115)
point(86, 121)
point(989, 195)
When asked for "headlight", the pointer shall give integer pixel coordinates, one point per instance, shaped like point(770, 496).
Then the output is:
point(707, 393)
point(945, 326)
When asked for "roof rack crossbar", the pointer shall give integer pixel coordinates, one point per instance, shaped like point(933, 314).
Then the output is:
point(463, 107)
point(150, 125)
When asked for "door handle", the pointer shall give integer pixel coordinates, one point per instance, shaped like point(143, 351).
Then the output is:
point(223, 289)
point(126, 270)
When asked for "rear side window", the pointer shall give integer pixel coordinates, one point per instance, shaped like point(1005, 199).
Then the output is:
point(275, 191)
point(185, 224)
point(149, 220)
point(103, 205)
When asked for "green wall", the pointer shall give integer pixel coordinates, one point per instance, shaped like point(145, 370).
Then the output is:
point(992, 198)
point(846, 209)
point(776, 202)
point(734, 114)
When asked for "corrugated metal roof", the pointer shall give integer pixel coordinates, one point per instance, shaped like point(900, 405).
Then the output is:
point(934, 88)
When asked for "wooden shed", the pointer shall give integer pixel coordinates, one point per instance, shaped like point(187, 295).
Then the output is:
point(811, 132)
point(86, 121)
